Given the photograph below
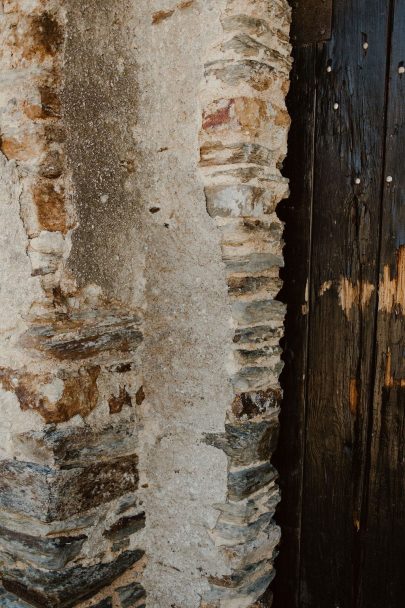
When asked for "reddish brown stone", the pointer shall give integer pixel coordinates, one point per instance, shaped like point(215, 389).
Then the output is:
point(45, 37)
point(80, 393)
point(219, 117)
point(255, 403)
point(50, 106)
point(21, 149)
point(161, 16)
point(251, 113)
point(50, 102)
point(140, 396)
point(50, 206)
point(52, 166)
point(257, 74)
point(117, 403)
point(55, 132)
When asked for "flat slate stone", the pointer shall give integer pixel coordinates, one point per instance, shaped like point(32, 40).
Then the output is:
point(51, 553)
point(8, 600)
point(65, 588)
point(126, 526)
point(106, 603)
point(247, 442)
point(258, 311)
point(40, 491)
point(238, 200)
point(130, 594)
point(251, 404)
point(86, 333)
point(75, 446)
point(244, 482)
point(259, 334)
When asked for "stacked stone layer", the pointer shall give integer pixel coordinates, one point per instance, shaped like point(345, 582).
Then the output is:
point(69, 371)
point(243, 143)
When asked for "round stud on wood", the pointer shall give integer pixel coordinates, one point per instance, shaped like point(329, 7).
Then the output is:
point(357, 180)
point(365, 46)
point(401, 69)
point(329, 68)
point(335, 106)
point(388, 179)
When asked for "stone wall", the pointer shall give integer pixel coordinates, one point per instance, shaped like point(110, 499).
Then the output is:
point(139, 334)
point(243, 143)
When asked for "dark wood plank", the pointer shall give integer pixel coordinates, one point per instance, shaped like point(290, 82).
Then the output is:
point(383, 566)
point(312, 21)
point(349, 145)
point(296, 212)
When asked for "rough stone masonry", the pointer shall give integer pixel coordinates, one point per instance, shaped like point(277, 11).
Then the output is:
point(141, 147)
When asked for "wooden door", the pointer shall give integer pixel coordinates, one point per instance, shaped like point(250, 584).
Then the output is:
point(342, 446)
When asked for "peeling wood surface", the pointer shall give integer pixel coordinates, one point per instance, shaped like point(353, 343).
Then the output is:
point(342, 441)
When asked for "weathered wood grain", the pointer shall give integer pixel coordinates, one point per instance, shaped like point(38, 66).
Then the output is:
point(349, 143)
point(383, 534)
point(336, 534)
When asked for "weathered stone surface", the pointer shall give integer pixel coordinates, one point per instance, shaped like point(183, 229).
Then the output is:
point(234, 533)
point(56, 398)
point(8, 600)
point(259, 334)
point(50, 553)
point(243, 143)
point(126, 526)
point(251, 285)
point(257, 74)
point(40, 491)
point(24, 524)
point(117, 403)
point(67, 447)
point(86, 333)
point(245, 585)
point(107, 603)
point(226, 117)
point(245, 481)
point(249, 405)
point(218, 154)
point(130, 595)
point(247, 442)
point(66, 588)
point(247, 46)
point(238, 200)
point(253, 25)
point(120, 545)
point(256, 311)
